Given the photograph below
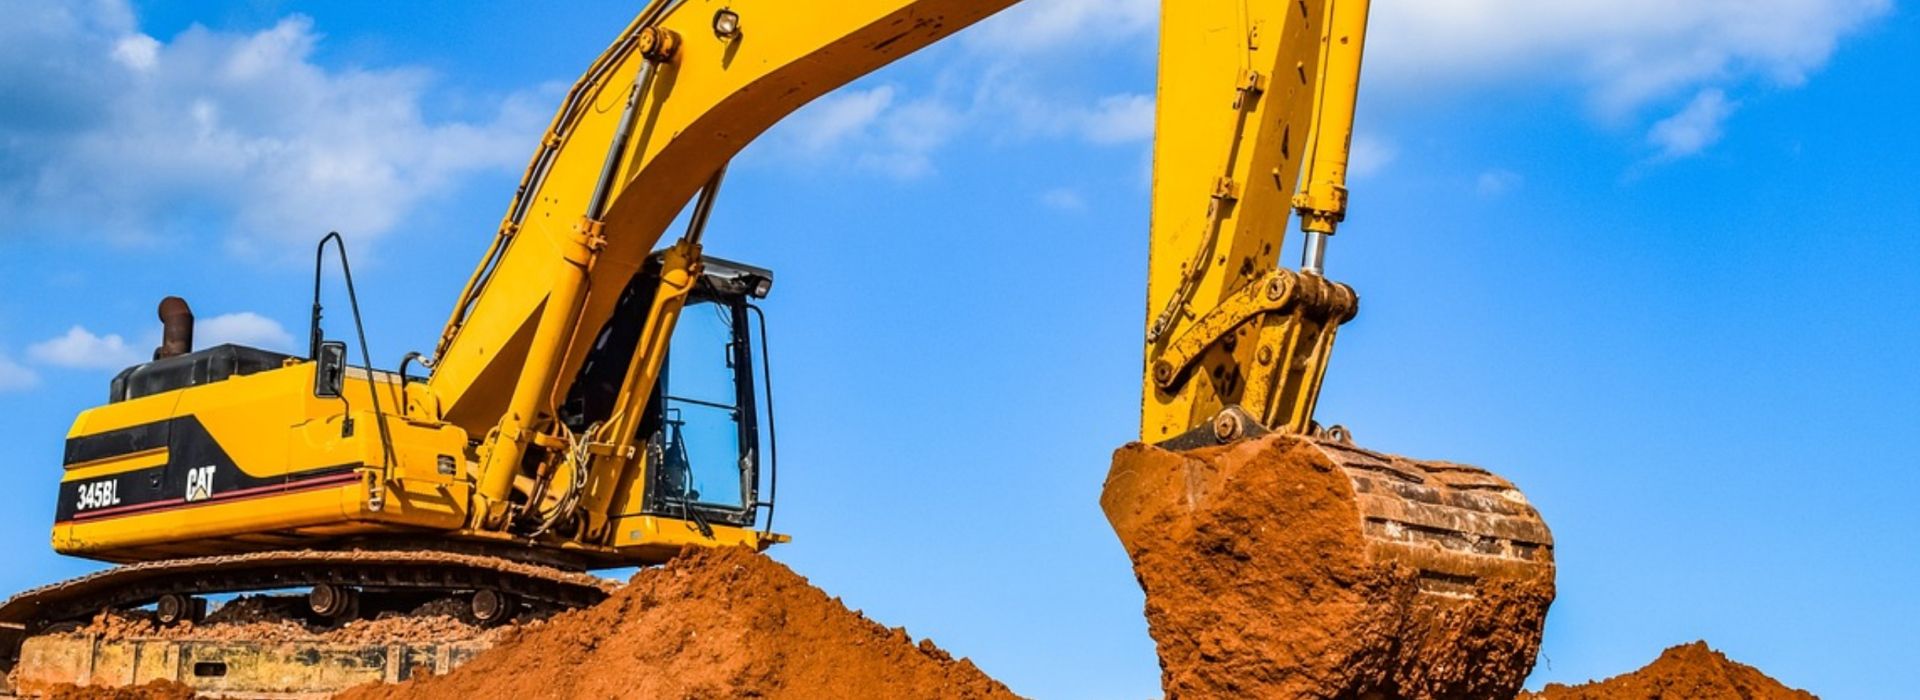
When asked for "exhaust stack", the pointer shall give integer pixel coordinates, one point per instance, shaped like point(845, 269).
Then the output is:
point(176, 335)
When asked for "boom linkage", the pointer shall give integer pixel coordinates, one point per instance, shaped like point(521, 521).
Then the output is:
point(1255, 117)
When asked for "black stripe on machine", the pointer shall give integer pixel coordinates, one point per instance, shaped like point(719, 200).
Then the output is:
point(197, 471)
point(124, 441)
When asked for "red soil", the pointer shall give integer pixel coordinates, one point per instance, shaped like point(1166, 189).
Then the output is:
point(272, 619)
point(1260, 584)
point(1690, 672)
point(157, 690)
point(726, 623)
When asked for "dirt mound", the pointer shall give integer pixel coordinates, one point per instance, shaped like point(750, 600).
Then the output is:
point(157, 690)
point(1689, 672)
point(277, 619)
point(1261, 583)
point(723, 623)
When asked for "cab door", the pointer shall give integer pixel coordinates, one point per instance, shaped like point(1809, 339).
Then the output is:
point(707, 442)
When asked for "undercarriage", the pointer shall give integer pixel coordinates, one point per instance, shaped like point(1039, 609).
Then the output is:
point(137, 623)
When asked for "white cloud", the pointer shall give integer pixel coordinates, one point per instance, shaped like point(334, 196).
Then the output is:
point(1063, 199)
point(81, 349)
point(908, 137)
point(1023, 74)
point(240, 131)
point(1045, 25)
point(1120, 119)
point(1368, 155)
point(16, 377)
point(871, 129)
point(1695, 128)
point(1012, 101)
point(139, 52)
point(244, 328)
point(830, 121)
point(874, 129)
point(1497, 182)
point(996, 91)
point(1626, 57)
point(1626, 54)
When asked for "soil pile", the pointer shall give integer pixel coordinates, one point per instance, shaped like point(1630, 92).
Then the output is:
point(277, 619)
point(721, 623)
point(157, 690)
point(1261, 583)
point(1690, 672)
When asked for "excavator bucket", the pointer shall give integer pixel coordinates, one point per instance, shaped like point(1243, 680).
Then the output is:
point(1289, 567)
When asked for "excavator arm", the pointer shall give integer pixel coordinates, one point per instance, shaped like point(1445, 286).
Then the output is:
point(1254, 116)
point(1253, 96)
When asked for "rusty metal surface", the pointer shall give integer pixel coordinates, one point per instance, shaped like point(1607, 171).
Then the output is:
point(176, 322)
point(1457, 523)
point(282, 670)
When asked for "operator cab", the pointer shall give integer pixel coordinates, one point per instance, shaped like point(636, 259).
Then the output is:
point(706, 431)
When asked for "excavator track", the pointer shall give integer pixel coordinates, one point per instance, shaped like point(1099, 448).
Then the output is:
point(139, 584)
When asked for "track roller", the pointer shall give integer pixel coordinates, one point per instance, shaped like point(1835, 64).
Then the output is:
point(174, 608)
point(490, 607)
point(333, 602)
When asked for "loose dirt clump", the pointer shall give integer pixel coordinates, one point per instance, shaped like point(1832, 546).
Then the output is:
point(1260, 584)
point(1689, 672)
point(157, 690)
point(713, 623)
point(273, 619)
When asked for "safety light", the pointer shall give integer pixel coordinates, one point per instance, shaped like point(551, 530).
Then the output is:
point(737, 278)
point(726, 24)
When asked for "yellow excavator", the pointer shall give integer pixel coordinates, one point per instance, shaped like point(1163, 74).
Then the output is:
point(598, 397)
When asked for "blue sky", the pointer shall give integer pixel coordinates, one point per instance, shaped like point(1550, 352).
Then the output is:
point(1652, 262)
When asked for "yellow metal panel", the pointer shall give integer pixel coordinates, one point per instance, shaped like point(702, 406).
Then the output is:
point(1239, 82)
point(1232, 116)
point(146, 409)
point(250, 416)
point(201, 525)
point(116, 465)
point(1322, 201)
point(200, 529)
point(654, 538)
point(270, 425)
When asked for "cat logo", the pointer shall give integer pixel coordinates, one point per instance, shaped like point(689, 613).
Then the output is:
point(200, 483)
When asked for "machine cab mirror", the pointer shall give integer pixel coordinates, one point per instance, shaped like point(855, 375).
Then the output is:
point(330, 370)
